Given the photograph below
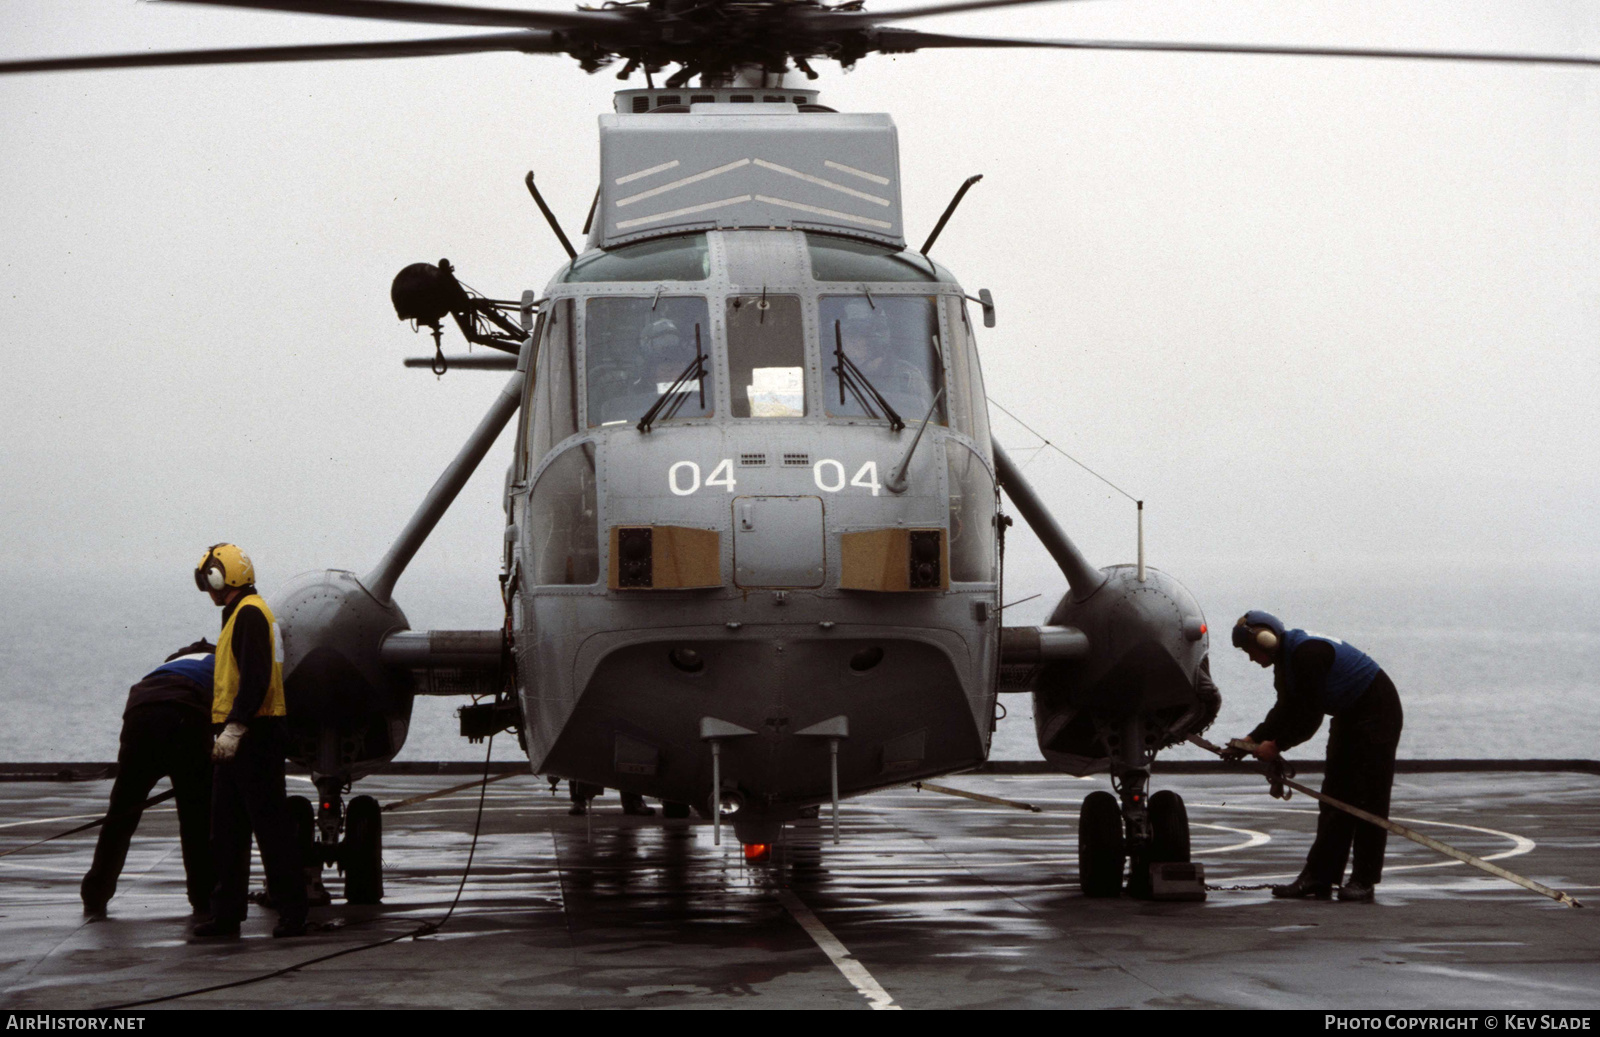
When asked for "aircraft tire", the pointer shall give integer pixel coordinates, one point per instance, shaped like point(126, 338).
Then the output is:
point(361, 853)
point(1169, 828)
point(304, 820)
point(1101, 845)
point(674, 810)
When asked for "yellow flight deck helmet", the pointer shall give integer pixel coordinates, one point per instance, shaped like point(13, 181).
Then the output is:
point(224, 565)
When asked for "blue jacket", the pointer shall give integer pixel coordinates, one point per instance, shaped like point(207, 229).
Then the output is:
point(1352, 671)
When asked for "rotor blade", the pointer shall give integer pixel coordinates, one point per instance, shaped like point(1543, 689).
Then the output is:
point(842, 19)
point(436, 14)
point(893, 41)
point(527, 42)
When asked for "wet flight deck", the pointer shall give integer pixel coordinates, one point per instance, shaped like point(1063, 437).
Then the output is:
point(930, 901)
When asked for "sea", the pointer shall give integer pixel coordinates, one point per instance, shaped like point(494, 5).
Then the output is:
point(1492, 661)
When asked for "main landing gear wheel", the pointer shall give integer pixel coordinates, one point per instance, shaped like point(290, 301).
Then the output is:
point(1169, 828)
point(1101, 845)
point(1169, 841)
point(361, 853)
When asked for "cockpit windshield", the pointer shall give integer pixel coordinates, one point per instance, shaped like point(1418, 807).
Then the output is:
point(680, 258)
point(843, 259)
point(891, 340)
point(766, 356)
point(635, 349)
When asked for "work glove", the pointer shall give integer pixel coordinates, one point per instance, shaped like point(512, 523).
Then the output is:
point(1238, 749)
point(1279, 769)
point(227, 743)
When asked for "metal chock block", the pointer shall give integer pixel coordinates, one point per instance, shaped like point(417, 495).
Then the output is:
point(1171, 880)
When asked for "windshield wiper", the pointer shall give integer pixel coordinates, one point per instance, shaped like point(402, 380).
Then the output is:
point(696, 371)
point(860, 385)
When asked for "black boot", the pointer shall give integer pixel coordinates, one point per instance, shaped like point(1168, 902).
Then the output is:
point(1304, 888)
point(94, 899)
point(633, 804)
point(1359, 892)
point(216, 930)
point(291, 925)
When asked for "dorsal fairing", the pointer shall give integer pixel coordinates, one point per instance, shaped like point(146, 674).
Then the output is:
point(748, 165)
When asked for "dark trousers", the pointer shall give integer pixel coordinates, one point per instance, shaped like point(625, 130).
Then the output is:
point(159, 740)
point(1361, 745)
point(248, 797)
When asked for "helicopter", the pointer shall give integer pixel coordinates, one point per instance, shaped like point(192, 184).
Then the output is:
point(847, 589)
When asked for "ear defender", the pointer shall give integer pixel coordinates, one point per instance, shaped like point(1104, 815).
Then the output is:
point(208, 574)
point(1257, 629)
point(224, 566)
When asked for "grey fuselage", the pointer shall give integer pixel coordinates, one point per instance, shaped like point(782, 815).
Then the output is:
point(758, 625)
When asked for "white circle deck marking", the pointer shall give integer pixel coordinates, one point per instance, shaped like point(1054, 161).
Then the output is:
point(1520, 844)
point(1252, 838)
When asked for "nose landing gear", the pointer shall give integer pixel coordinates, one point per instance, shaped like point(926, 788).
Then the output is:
point(1148, 833)
point(359, 854)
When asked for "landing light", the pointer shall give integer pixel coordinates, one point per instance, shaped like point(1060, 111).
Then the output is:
point(757, 853)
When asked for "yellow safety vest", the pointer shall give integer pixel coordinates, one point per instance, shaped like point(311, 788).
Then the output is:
point(226, 683)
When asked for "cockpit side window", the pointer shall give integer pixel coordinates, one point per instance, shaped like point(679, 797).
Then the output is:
point(638, 348)
point(969, 408)
point(564, 522)
point(972, 516)
point(884, 345)
point(555, 392)
point(766, 356)
point(525, 463)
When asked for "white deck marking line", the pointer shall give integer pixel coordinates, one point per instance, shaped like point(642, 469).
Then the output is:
point(641, 174)
point(880, 224)
point(674, 213)
point(74, 872)
point(837, 953)
point(1253, 838)
point(674, 185)
point(47, 820)
point(829, 184)
point(1496, 977)
point(863, 174)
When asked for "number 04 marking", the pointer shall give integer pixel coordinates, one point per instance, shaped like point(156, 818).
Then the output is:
point(866, 477)
point(721, 475)
point(684, 480)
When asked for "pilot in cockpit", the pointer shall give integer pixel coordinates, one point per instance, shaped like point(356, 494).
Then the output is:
point(640, 360)
point(868, 341)
point(663, 355)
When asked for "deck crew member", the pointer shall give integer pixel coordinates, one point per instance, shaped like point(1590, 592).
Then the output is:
point(247, 711)
point(166, 733)
point(1316, 675)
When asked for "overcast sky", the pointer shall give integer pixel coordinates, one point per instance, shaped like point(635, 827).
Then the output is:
point(1316, 312)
